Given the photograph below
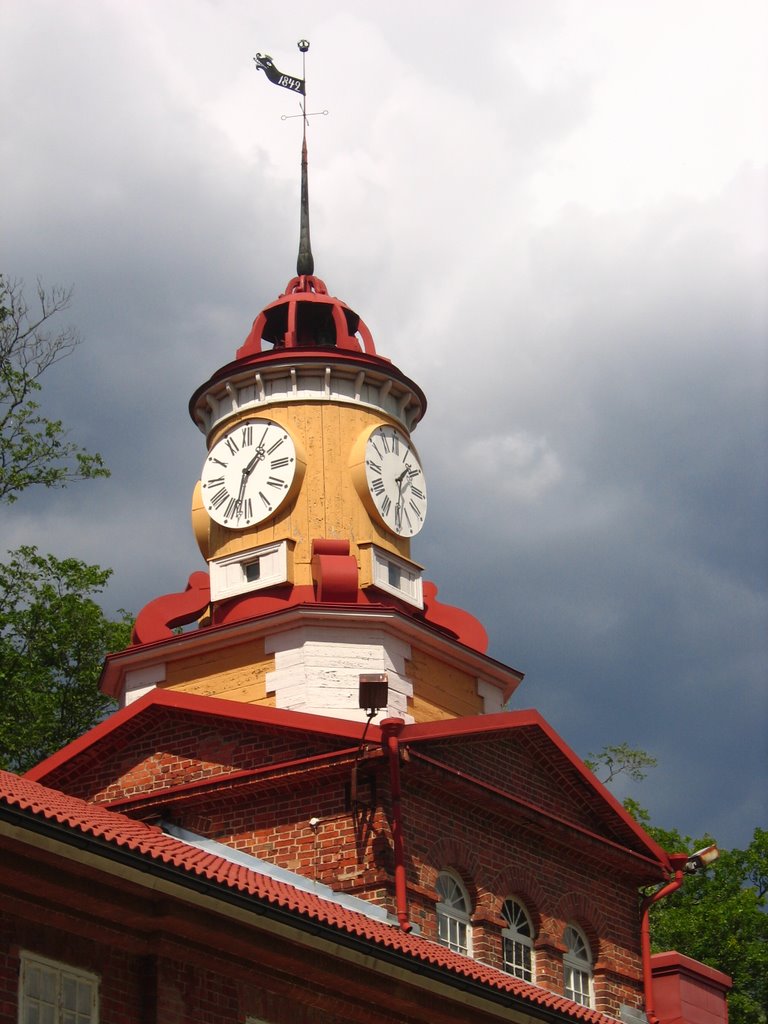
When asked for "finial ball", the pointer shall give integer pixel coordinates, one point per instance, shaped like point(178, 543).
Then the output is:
point(303, 45)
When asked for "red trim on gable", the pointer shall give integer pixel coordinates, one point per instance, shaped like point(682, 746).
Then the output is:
point(503, 720)
point(210, 706)
point(297, 721)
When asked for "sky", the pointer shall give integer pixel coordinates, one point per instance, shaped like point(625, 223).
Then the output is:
point(552, 216)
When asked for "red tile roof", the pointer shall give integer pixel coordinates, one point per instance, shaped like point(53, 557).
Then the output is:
point(118, 830)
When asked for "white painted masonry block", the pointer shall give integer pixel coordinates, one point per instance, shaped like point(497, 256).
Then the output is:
point(139, 681)
point(319, 675)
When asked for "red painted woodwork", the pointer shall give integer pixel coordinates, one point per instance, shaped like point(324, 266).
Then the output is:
point(158, 619)
point(688, 991)
point(285, 324)
point(334, 571)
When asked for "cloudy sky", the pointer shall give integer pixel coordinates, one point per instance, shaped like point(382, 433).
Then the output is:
point(552, 215)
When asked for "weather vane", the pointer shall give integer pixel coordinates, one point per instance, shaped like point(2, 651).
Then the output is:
point(305, 263)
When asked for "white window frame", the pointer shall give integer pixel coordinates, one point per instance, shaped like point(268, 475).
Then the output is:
point(229, 575)
point(577, 967)
point(517, 941)
point(454, 929)
point(397, 576)
point(55, 989)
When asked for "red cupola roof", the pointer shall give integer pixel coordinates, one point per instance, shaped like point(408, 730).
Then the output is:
point(305, 316)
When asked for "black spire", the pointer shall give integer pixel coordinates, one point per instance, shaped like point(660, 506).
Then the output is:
point(305, 263)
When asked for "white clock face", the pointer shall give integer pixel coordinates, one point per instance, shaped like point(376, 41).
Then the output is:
point(395, 481)
point(248, 473)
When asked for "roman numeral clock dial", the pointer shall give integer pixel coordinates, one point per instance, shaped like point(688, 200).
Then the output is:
point(248, 473)
point(395, 488)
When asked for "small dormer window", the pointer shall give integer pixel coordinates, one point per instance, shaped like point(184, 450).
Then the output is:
point(397, 576)
point(453, 911)
point(577, 967)
point(254, 569)
point(517, 939)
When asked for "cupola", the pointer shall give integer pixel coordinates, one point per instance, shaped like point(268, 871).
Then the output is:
point(305, 316)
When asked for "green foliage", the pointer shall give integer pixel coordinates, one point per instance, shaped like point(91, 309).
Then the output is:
point(623, 759)
point(33, 448)
point(53, 638)
point(719, 917)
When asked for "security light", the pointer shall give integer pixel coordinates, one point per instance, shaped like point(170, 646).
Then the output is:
point(701, 859)
point(374, 692)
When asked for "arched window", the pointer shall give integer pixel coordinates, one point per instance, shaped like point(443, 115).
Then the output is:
point(577, 967)
point(517, 939)
point(453, 914)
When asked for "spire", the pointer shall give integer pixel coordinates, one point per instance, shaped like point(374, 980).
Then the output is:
point(305, 263)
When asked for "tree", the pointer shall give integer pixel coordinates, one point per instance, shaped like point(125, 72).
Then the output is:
point(53, 639)
point(719, 915)
point(620, 760)
point(33, 448)
point(53, 634)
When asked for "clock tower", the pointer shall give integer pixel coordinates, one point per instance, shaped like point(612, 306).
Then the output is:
point(310, 492)
point(309, 438)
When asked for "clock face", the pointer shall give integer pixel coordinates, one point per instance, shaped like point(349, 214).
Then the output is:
point(248, 473)
point(395, 481)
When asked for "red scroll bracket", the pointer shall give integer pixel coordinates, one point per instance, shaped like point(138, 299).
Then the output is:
point(158, 619)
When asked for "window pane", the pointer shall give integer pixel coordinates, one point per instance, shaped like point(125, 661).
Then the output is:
point(48, 986)
point(577, 985)
point(84, 990)
point(32, 983)
point(68, 992)
point(576, 944)
point(517, 959)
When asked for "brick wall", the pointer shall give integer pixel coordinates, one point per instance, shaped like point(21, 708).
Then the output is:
point(496, 850)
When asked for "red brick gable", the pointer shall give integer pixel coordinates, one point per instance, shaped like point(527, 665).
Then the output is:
point(174, 743)
point(169, 739)
point(179, 750)
point(527, 778)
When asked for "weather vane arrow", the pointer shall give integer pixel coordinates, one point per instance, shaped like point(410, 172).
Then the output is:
point(305, 263)
point(265, 63)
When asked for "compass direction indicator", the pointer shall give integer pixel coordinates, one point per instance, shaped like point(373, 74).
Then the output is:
point(305, 264)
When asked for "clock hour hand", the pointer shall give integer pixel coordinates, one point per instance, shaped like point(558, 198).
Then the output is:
point(257, 458)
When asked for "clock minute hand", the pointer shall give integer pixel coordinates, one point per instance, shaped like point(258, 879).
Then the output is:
point(241, 492)
point(399, 479)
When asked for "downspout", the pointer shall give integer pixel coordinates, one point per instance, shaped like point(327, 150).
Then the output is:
point(678, 861)
point(390, 730)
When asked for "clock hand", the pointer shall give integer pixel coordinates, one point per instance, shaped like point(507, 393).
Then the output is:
point(405, 473)
point(404, 481)
point(257, 458)
point(241, 493)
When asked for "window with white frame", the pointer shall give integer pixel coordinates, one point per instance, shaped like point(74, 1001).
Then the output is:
point(254, 569)
point(517, 940)
point(55, 993)
point(397, 576)
point(453, 911)
point(577, 967)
